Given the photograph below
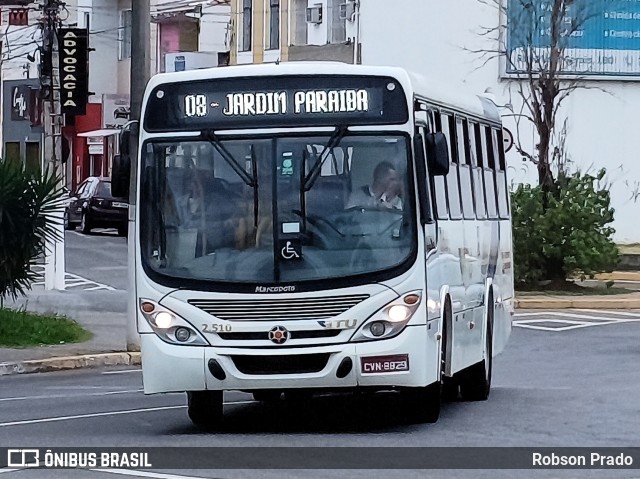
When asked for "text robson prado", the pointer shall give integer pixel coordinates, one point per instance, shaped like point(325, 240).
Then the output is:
point(594, 459)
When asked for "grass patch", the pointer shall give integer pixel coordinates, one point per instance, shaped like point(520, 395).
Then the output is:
point(571, 289)
point(23, 329)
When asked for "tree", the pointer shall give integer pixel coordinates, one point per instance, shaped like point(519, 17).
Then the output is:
point(561, 227)
point(571, 235)
point(534, 46)
point(28, 203)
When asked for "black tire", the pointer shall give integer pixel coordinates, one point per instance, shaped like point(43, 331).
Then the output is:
point(423, 404)
point(85, 223)
point(68, 225)
point(267, 395)
point(298, 395)
point(475, 381)
point(205, 408)
point(450, 386)
point(450, 389)
point(123, 230)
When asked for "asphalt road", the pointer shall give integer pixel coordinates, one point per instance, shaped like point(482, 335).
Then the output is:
point(100, 257)
point(559, 383)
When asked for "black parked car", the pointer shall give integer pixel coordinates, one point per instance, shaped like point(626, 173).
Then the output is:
point(93, 206)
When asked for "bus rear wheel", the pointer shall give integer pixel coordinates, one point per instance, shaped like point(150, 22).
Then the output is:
point(205, 408)
point(475, 381)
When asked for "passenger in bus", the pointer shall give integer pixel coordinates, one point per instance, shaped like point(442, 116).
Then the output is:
point(220, 208)
point(384, 191)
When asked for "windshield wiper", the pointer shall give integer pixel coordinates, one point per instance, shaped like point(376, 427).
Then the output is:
point(212, 138)
point(249, 180)
point(335, 139)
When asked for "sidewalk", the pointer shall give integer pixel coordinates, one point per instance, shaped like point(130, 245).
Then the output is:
point(104, 313)
point(617, 301)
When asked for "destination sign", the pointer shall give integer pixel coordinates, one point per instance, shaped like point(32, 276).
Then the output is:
point(264, 102)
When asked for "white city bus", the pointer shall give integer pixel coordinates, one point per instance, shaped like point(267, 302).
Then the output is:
point(309, 227)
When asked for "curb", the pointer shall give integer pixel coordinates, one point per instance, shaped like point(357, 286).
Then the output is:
point(577, 303)
point(70, 362)
point(619, 276)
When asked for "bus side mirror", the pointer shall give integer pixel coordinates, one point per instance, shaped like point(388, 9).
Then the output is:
point(121, 170)
point(438, 154)
point(421, 170)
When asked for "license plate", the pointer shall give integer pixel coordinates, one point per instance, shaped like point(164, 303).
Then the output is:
point(117, 204)
point(384, 364)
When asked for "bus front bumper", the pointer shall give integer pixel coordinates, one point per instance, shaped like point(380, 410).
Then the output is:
point(408, 360)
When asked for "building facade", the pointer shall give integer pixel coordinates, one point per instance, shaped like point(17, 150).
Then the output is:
point(184, 35)
point(445, 40)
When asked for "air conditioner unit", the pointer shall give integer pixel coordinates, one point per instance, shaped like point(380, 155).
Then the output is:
point(181, 61)
point(347, 11)
point(314, 14)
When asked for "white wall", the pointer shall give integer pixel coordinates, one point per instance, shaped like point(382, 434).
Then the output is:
point(318, 34)
point(213, 28)
point(434, 37)
point(103, 62)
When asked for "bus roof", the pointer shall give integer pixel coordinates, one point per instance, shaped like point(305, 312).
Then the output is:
point(423, 87)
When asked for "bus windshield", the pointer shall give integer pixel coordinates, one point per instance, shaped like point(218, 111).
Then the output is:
point(276, 210)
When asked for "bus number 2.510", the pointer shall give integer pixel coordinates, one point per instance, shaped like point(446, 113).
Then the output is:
point(216, 328)
point(195, 105)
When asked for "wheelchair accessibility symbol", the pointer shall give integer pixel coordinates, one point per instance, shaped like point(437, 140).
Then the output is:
point(290, 251)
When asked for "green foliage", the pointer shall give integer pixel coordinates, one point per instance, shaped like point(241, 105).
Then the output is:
point(28, 202)
point(23, 329)
point(563, 232)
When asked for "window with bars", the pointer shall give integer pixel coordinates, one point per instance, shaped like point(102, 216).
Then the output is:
point(124, 36)
point(274, 24)
point(247, 25)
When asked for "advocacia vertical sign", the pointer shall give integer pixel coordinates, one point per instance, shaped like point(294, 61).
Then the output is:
point(74, 88)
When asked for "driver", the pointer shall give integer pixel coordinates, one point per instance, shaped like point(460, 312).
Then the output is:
point(385, 190)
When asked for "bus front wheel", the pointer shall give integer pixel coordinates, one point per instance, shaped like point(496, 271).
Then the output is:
point(423, 403)
point(205, 408)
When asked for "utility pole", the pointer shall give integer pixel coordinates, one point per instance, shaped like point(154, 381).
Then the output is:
point(140, 74)
point(50, 90)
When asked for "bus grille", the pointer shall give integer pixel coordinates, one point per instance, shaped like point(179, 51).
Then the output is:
point(278, 309)
point(262, 335)
point(289, 364)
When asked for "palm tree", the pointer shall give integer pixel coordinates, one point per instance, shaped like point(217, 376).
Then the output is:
point(28, 202)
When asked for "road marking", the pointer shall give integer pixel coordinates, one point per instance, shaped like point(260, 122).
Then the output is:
point(70, 280)
point(83, 416)
point(62, 396)
point(155, 475)
point(8, 470)
point(565, 315)
point(579, 318)
point(101, 414)
point(619, 313)
point(123, 371)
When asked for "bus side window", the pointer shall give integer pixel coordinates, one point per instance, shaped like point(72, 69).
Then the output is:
point(464, 168)
point(438, 186)
point(453, 187)
point(501, 177)
point(478, 144)
point(489, 177)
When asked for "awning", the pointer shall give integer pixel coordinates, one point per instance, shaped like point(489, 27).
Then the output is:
point(99, 133)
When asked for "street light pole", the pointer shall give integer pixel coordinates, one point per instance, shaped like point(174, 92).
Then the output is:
point(140, 74)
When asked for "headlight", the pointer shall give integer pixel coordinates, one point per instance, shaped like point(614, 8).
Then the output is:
point(170, 327)
point(390, 320)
